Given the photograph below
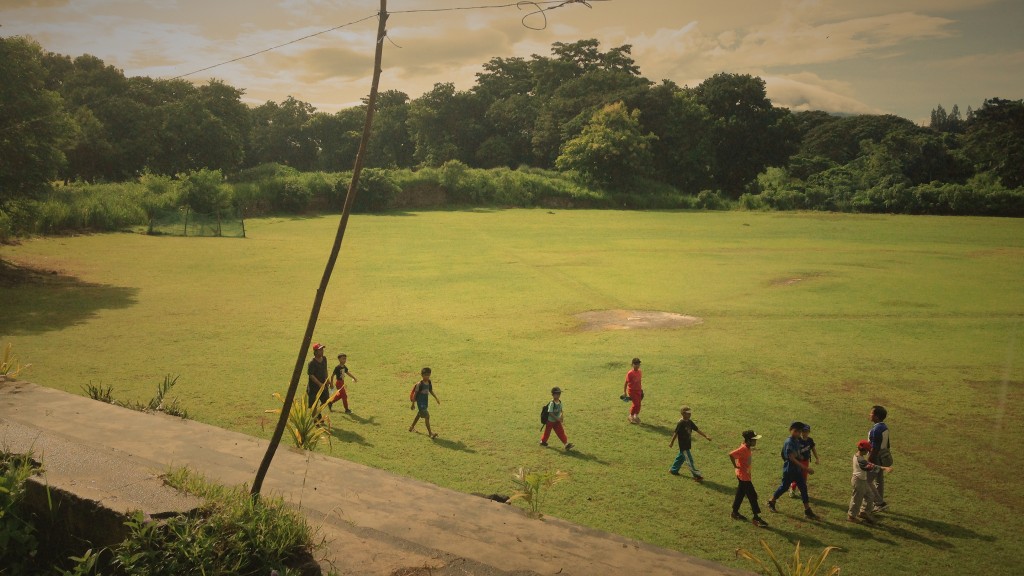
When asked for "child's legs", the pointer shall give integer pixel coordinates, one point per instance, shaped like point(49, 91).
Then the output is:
point(879, 481)
point(689, 462)
point(426, 420)
point(792, 485)
point(560, 432)
point(547, 431)
point(740, 493)
point(860, 488)
point(748, 488)
point(340, 395)
point(801, 485)
point(678, 462)
point(634, 408)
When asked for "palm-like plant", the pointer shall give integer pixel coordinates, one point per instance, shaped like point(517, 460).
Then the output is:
point(308, 425)
point(796, 567)
point(9, 366)
point(529, 484)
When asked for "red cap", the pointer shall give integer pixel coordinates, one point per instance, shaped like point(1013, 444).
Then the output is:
point(864, 445)
point(318, 346)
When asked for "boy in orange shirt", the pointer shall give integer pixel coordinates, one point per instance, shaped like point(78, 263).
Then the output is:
point(633, 388)
point(741, 461)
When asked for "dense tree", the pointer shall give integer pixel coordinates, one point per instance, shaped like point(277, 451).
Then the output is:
point(33, 122)
point(995, 140)
point(445, 125)
point(611, 150)
point(390, 145)
point(278, 136)
point(747, 134)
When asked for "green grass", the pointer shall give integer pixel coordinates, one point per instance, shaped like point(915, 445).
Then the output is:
point(806, 316)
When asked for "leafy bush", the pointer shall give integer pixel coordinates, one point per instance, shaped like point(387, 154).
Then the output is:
point(711, 200)
point(18, 543)
point(377, 191)
point(530, 484)
point(232, 533)
point(204, 191)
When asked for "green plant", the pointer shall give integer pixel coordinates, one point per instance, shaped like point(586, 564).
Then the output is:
point(157, 403)
point(9, 366)
point(18, 542)
point(308, 425)
point(795, 567)
point(530, 483)
point(98, 392)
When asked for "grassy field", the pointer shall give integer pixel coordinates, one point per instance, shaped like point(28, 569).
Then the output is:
point(805, 316)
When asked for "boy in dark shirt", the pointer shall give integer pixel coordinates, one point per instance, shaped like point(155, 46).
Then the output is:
point(684, 432)
point(340, 371)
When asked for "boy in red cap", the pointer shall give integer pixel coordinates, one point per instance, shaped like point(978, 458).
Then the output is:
point(862, 489)
point(317, 372)
point(339, 374)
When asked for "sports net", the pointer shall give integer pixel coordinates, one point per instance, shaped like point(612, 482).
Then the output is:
point(186, 222)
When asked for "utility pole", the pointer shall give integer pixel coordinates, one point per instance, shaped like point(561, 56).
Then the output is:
point(314, 314)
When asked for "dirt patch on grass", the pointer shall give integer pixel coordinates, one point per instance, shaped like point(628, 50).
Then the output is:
point(634, 320)
point(795, 279)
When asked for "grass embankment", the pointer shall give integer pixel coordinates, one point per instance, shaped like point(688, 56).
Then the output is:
point(806, 316)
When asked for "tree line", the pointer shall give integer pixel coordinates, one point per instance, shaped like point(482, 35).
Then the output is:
point(582, 111)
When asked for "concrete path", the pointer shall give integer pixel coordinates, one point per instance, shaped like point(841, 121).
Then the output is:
point(380, 524)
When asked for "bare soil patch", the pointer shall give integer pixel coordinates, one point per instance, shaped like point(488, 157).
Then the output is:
point(634, 320)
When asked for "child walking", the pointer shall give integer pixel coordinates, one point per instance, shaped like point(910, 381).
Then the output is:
point(684, 432)
point(806, 451)
point(864, 493)
point(423, 390)
point(633, 387)
point(792, 471)
point(741, 458)
point(555, 415)
point(340, 371)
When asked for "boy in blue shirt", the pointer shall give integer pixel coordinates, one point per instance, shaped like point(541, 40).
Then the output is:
point(422, 393)
point(806, 451)
point(793, 471)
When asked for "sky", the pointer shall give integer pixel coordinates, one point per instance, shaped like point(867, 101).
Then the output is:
point(902, 57)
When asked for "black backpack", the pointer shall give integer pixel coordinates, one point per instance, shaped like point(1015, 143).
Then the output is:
point(544, 414)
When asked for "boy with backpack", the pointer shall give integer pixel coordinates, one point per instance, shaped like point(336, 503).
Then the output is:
point(551, 417)
point(419, 396)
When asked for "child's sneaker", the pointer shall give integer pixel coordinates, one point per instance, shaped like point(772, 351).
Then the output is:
point(867, 518)
point(543, 443)
point(698, 479)
point(793, 494)
point(569, 446)
point(771, 506)
point(810, 514)
point(674, 472)
point(852, 519)
point(881, 507)
point(347, 411)
point(759, 522)
point(738, 516)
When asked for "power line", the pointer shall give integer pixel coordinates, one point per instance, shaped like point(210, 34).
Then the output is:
point(541, 6)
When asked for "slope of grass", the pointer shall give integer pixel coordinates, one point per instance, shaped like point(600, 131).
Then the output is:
point(806, 316)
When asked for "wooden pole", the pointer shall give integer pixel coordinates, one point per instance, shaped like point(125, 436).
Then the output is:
point(350, 197)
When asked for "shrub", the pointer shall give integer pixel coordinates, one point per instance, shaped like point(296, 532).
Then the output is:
point(204, 191)
point(377, 191)
point(18, 543)
point(711, 200)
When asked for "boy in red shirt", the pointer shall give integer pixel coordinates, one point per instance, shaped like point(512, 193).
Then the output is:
point(633, 388)
point(741, 461)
